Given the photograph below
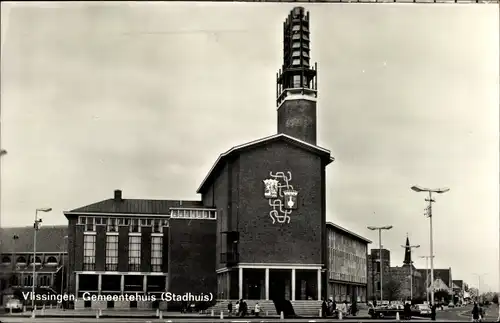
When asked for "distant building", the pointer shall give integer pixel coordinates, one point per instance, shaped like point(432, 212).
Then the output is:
point(347, 264)
point(375, 268)
point(412, 285)
point(16, 267)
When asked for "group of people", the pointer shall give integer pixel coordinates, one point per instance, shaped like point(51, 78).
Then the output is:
point(477, 313)
point(329, 308)
point(241, 308)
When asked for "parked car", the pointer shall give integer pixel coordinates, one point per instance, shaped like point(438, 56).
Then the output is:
point(14, 305)
point(421, 310)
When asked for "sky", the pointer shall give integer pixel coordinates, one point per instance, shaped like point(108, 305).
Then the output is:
point(143, 97)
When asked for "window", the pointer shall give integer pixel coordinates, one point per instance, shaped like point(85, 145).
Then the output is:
point(112, 227)
point(111, 253)
point(296, 81)
point(134, 253)
point(134, 227)
point(52, 260)
point(378, 267)
point(156, 254)
point(89, 252)
point(157, 227)
point(378, 285)
point(90, 224)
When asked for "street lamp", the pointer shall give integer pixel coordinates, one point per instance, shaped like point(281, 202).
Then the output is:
point(36, 227)
point(426, 276)
point(429, 215)
point(15, 237)
point(479, 285)
point(63, 271)
point(411, 269)
point(379, 229)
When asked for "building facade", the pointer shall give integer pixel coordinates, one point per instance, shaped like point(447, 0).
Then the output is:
point(347, 273)
point(17, 260)
point(376, 268)
point(139, 247)
point(258, 232)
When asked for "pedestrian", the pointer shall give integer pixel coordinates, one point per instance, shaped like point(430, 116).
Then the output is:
point(257, 309)
point(475, 313)
point(407, 311)
point(243, 308)
point(323, 308)
point(433, 312)
point(230, 308)
point(237, 308)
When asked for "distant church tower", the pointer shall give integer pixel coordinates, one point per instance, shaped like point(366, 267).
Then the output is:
point(407, 260)
point(296, 81)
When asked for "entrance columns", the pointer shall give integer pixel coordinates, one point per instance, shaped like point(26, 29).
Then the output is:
point(319, 284)
point(122, 284)
point(293, 284)
point(240, 283)
point(77, 284)
point(267, 284)
point(99, 284)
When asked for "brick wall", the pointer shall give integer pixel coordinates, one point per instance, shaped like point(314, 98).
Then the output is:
point(301, 240)
point(191, 253)
point(297, 118)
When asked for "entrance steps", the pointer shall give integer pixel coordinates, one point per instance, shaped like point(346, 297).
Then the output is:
point(306, 308)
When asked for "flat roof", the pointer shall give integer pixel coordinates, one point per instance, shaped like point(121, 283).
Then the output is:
point(350, 233)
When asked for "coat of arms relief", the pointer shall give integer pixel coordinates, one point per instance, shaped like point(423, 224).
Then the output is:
point(281, 195)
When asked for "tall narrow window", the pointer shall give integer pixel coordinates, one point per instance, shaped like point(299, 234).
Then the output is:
point(156, 254)
point(134, 253)
point(134, 227)
point(89, 252)
point(111, 253)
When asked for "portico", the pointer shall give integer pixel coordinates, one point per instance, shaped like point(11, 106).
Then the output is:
point(271, 281)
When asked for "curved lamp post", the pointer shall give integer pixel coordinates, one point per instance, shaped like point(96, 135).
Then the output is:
point(36, 227)
point(429, 215)
point(379, 229)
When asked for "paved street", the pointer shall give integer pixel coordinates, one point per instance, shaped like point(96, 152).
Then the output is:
point(450, 315)
point(85, 320)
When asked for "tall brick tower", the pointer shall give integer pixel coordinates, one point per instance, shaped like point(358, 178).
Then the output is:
point(296, 81)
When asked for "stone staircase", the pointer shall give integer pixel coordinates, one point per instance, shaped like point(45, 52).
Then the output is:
point(302, 308)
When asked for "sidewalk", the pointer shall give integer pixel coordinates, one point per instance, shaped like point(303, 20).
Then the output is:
point(148, 313)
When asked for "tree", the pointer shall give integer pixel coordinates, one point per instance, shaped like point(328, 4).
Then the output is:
point(392, 290)
point(495, 298)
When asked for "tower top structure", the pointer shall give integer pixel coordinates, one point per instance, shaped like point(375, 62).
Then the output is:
point(296, 80)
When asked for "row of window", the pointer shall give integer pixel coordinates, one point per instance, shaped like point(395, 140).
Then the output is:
point(134, 253)
point(42, 280)
point(112, 223)
point(21, 260)
point(193, 214)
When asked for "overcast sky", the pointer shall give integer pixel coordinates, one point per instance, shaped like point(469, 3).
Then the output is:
point(144, 97)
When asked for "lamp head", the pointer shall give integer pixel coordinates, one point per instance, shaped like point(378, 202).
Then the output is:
point(44, 209)
point(417, 188)
point(442, 190)
point(387, 227)
point(371, 228)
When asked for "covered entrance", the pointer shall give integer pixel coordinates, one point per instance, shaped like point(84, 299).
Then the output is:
point(270, 282)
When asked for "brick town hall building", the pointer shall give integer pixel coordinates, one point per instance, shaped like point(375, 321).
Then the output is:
point(259, 231)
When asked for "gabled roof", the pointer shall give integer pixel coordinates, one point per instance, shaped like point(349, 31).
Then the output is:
point(133, 206)
point(459, 283)
point(48, 239)
point(442, 274)
point(347, 232)
point(325, 153)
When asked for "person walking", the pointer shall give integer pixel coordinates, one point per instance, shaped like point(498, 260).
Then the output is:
point(237, 308)
point(257, 309)
point(433, 312)
point(324, 308)
point(230, 308)
point(475, 313)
